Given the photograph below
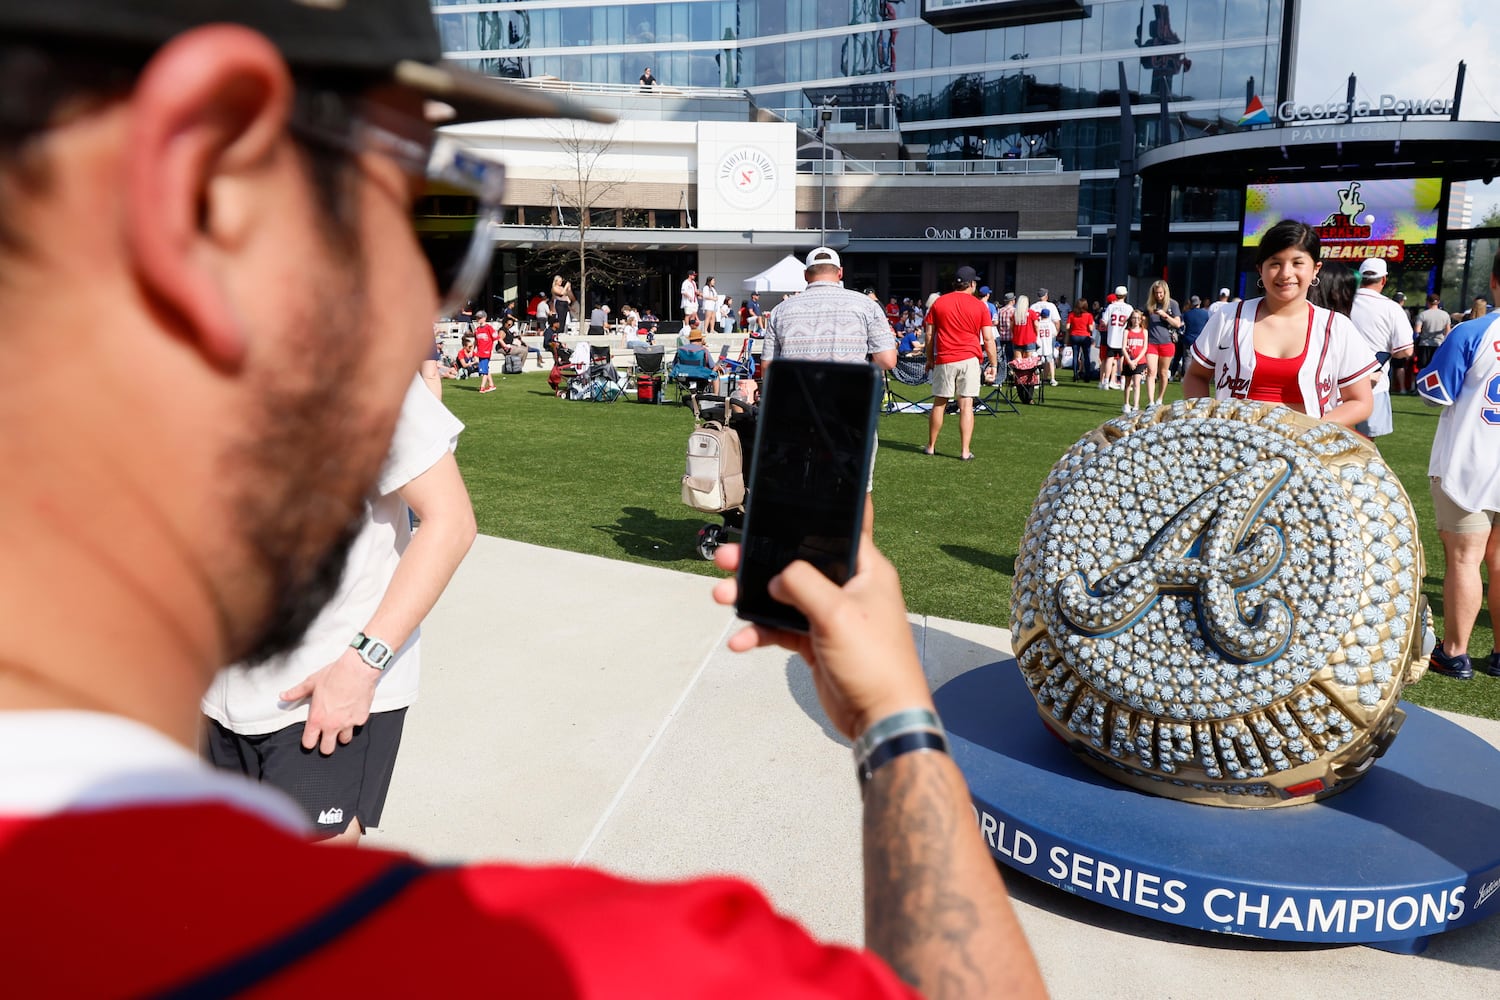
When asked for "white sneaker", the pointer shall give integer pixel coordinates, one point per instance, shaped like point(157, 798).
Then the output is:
point(1127, 408)
point(1053, 382)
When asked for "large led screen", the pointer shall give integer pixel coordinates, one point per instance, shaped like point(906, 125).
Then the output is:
point(1354, 219)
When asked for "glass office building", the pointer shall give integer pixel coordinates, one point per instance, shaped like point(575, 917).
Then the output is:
point(1048, 89)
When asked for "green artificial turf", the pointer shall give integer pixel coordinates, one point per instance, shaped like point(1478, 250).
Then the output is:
point(605, 479)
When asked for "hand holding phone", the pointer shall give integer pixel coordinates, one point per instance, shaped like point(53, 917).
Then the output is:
point(858, 645)
point(809, 474)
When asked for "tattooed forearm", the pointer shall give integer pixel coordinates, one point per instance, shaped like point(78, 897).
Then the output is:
point(918, 915)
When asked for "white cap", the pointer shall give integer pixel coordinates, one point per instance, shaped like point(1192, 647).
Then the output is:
point(823, 255)
point(1121, 291)
point(1373, 267)
point(1223, 293)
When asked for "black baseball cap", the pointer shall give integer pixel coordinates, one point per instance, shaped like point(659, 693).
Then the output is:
point(392, 40)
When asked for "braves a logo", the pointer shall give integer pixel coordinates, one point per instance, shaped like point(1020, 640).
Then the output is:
point(1210, 550)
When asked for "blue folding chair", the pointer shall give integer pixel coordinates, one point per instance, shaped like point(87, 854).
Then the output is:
point(690, 371)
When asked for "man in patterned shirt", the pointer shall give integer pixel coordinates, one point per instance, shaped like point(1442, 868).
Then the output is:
point(829, 322)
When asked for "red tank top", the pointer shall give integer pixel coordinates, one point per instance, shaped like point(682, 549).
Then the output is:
point(1275, 379)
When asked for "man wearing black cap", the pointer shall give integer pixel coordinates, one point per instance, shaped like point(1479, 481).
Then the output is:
point(216, 171)
point(959, 333)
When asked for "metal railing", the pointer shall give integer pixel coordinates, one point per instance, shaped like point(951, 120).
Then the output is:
point(905, 168)
point(874, 117)
point(552, 84)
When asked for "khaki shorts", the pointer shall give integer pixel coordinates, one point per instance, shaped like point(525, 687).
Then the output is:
point(1454, 519)
point(956, 378)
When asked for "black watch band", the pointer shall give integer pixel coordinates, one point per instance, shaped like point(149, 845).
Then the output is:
point(894, 747)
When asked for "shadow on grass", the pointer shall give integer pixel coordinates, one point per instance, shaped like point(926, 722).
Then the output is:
point(644, 534)
point(1000, 563)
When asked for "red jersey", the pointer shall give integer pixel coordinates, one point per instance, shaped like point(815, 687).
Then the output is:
point(957, 320)
point(484, 340)
point(1136, 339)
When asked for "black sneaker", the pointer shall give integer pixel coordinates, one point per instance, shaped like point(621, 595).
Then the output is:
point(1493, 666)
point(1458, 667)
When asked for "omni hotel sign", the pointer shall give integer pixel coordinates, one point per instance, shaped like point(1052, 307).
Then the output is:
point(939, 227)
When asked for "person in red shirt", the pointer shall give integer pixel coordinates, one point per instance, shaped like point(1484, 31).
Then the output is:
point(484, 350)
point(1081, 339)
point(1137, 349)
point(959, 333)
point(1023, 327)
point(263, 166)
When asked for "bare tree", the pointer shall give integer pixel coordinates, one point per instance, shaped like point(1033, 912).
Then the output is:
point(588, 194)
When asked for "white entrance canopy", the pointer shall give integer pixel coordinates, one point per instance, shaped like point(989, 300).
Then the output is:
point(783, 276)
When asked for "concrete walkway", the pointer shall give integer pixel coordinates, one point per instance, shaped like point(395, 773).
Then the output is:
point(578, 710)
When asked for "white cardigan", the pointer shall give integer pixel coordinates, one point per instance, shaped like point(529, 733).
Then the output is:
point(1336, 355)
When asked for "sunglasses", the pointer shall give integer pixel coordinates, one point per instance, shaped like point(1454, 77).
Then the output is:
point(350, 124)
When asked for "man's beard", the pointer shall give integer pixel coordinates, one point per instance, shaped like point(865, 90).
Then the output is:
point(300, 504)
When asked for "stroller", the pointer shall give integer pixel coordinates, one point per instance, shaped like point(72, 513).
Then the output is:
point(714, 481)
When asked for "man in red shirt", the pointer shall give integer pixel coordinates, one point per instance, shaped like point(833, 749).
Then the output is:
point(265, 158)
point(484, 348)
point(959, 333)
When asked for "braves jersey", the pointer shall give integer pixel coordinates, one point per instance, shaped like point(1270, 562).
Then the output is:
point(1114, 319)
point(1336, 355)
point(1464, 379)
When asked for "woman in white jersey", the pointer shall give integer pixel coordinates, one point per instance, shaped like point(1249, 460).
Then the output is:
point(1280, 348)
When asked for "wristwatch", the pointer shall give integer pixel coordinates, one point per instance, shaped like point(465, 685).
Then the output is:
point(374, 652)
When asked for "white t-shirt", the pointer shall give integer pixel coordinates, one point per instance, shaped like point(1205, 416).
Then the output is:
point(244, 699)
point(1116, 317)
point(689, 296)
point(1384, 326)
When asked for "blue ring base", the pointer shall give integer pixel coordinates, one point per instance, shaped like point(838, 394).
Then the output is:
point(1412, 850)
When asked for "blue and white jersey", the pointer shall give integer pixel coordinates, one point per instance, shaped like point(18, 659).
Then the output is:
point(1464, 379)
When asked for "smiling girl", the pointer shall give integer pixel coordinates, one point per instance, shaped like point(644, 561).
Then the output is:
point(1280, 348)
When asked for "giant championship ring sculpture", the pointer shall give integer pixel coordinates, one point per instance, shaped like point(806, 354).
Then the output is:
point(1220, 602)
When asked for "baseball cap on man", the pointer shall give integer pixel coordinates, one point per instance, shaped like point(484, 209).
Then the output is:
point(381, 40)
point(1373, 267)
point(966, 275)
point(823, 256)
point(1121, 291)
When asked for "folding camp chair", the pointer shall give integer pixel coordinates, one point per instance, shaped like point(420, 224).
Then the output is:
point(1001, 395)
point(909, 373)
point(690, 371)
point(646, 381)
point(599, 381)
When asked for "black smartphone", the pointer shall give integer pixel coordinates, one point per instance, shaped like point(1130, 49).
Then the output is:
point(809, 473)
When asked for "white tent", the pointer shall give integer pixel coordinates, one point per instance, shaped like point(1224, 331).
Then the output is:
point(783, 276)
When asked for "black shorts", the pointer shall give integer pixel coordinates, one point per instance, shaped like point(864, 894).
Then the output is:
point(332, 790)
point(1113, 352)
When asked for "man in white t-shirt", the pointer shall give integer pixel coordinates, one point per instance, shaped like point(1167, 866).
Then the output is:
point(1222, 304)
point(689, 295)
point(1384, 326)
point(323, 722)
point(1115, 318)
